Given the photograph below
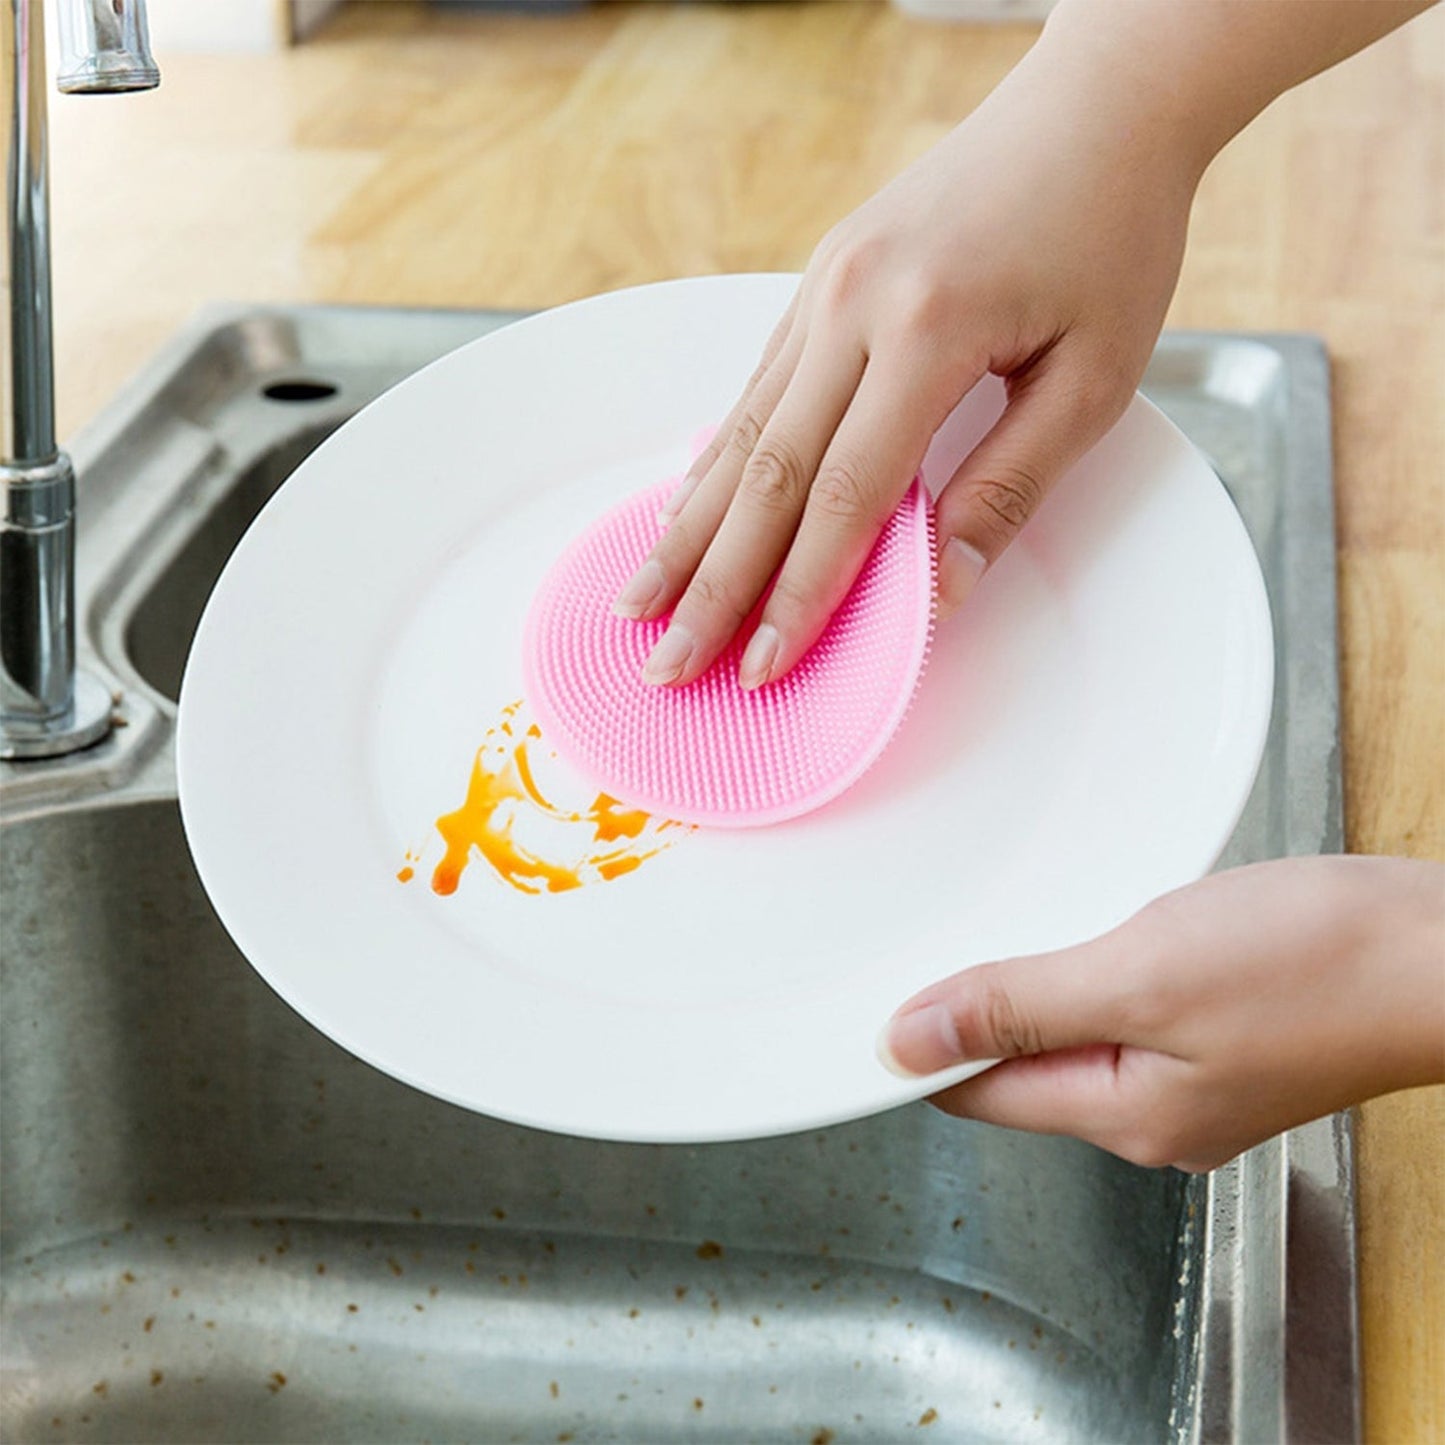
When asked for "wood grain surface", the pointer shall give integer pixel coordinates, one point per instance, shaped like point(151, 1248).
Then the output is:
point(411, 157)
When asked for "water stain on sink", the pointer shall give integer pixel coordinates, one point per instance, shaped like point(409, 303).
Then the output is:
point(532, 843)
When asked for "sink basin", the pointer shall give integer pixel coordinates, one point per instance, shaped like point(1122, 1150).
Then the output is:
point(206, 1190)
point(219, 1226)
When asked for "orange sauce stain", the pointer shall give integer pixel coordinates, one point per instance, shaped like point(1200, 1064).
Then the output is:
point(503, 792)
point(405, 875)
point(476, 825)
point(615, 820)
point(524, 774)
point(616, 867)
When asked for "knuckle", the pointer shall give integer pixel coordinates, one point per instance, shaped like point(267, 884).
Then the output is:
point(993, 1025)
point(746, 432)
point(922, 309)
point(849, 267)
point(1156, 995)
point(841, 491)
point(1011, 1028)
point(712, 593)
point(1144, 1012)
point(1146, 999)
point(1006, 500)
point(1013, 496)
point(774, 477)
point(832, 239)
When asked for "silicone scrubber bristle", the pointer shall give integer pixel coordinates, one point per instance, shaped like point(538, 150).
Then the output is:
point(712, 752)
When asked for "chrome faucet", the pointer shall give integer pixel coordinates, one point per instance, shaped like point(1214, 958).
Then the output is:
point(46, 706)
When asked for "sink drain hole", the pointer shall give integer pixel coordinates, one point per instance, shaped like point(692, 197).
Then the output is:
point(299, 390)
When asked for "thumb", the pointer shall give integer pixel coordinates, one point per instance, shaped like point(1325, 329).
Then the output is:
point(1011, 1009)
point(1057, 409)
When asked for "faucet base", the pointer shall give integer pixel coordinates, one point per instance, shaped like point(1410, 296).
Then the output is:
point(87, 722)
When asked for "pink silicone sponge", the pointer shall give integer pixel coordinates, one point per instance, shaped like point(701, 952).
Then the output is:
point(713, 752)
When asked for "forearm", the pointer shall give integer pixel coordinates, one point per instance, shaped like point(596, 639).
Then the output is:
point(1400, 977)
point(1198, 71)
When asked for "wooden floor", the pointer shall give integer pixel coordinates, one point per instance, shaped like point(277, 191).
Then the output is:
point(462, 160)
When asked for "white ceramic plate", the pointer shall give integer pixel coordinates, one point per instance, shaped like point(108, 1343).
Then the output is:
point(1085, 738)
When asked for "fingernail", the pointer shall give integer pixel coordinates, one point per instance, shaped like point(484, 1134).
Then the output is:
point(756, 667)
point(669, 657)
point(642, 590)
point(959, 569)
point(921, 1042)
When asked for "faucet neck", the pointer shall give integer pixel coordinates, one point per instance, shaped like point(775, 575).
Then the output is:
point(46, 706)
point(27, 416)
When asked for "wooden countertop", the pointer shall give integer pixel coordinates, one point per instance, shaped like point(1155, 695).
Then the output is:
point(413, 158)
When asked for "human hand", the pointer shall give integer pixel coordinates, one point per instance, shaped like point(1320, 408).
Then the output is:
point(1039, 241)
point(1219, 1015)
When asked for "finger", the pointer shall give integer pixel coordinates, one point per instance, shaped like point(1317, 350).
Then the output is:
point(874, 455)
point(1056, 410)
point(763, 518)
point(1074, 1091)
point(703, 462)
point(1020, 1007)
point(1148, 1108)
point(668, 568)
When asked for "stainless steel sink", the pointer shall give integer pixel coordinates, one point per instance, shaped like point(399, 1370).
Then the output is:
point(219, 1226)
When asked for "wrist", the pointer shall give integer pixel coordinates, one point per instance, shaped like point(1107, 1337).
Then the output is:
point(1149, 70)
